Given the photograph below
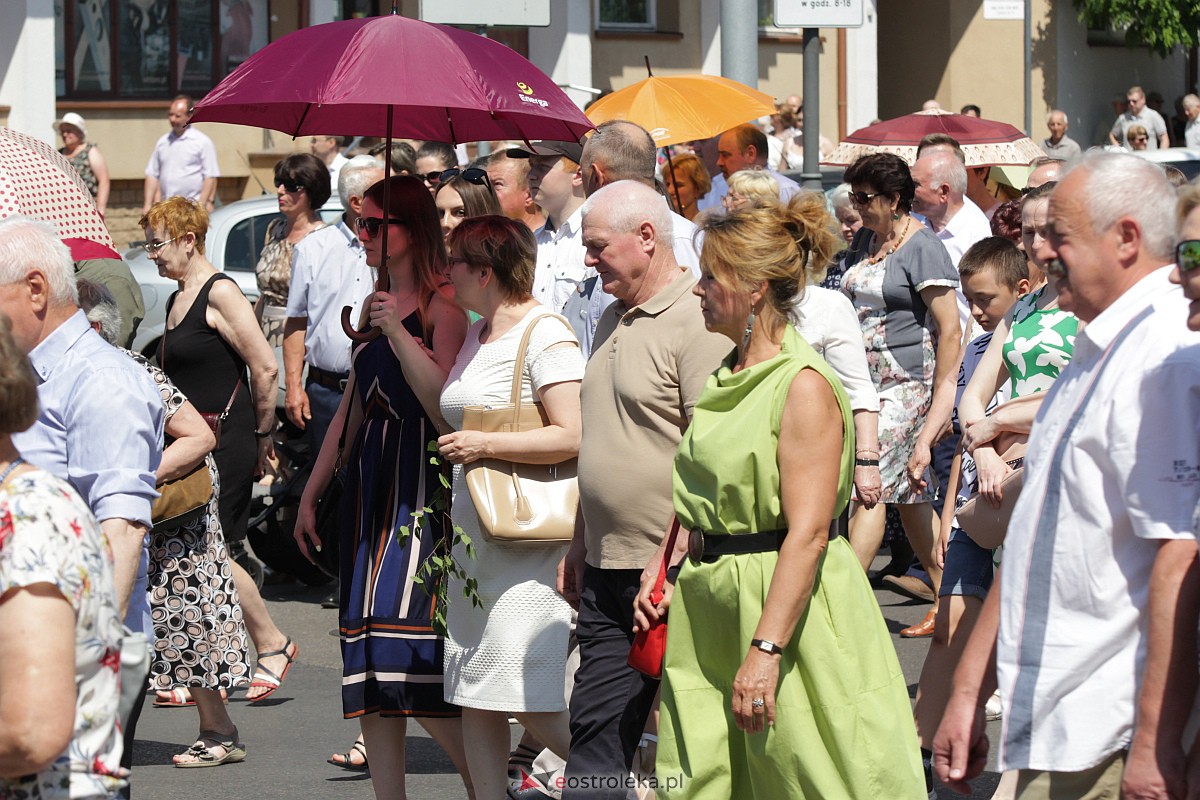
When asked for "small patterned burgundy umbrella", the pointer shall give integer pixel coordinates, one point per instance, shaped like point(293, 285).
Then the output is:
point(39, 182)
point(985, 142)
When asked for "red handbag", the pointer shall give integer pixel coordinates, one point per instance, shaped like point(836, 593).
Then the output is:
point(646, 655)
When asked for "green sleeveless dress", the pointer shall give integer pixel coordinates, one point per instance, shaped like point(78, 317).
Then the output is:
point(844, 725)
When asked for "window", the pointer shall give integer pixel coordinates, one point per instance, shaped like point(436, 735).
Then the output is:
point(245, 242)
point(153, 49)
point(635, 14)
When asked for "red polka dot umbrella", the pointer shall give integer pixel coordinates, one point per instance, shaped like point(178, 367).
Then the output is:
point(38, 181)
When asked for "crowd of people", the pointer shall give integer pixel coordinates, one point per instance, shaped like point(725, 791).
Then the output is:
point(739, 382)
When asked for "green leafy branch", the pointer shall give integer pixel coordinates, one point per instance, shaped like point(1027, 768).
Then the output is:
point(1161, 25)
point(436, 571)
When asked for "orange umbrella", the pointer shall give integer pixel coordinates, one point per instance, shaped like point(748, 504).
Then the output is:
point(681, 108)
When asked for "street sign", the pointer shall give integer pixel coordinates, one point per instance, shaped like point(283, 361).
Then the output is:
point(818, 13)
point(523, 13)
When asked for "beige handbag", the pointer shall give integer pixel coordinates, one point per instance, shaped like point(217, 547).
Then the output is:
point(986, 525)
point(521, 502)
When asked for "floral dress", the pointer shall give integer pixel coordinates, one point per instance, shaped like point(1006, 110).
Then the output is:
point(199, 636)
point(48, 536)
point(898, 336)
point(274, 275)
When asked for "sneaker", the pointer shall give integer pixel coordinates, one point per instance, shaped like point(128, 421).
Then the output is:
point(992, 710)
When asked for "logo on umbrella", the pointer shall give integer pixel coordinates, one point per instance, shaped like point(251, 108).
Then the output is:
point(525, 95)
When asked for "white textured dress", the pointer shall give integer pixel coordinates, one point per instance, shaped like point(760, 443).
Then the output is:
point(511, 654)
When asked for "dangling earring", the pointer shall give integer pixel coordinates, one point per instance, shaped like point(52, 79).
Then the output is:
point(749, 330)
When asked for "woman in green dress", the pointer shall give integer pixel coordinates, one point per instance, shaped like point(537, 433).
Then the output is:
point(780, 680)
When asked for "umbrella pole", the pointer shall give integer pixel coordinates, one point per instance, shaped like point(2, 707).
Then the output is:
point(382, 280)
point(671, 169)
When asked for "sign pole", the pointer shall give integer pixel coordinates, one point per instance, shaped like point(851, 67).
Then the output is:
point(810, 174)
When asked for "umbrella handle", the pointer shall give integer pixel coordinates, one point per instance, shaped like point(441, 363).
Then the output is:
point(368, 333)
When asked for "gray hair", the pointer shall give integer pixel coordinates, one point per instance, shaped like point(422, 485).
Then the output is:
point(840, 197)
point(1190, 101)
point(946, 168)
point(356, 177)
point(26, 244)
point(101, 309)
point(629, 204)
point(1122, 185)
point(624, 149)
point(1056, 112)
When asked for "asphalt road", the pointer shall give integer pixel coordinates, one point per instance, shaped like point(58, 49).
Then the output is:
point(289, 736)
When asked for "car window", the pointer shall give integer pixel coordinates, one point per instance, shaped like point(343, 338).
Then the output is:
point(245, 242)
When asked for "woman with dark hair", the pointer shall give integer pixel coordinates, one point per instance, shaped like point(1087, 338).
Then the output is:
point(780, 679)
point(60, 627)
point(1006, 221)
point(509, 655)
point(463, 194)
point(302, 184)
point(901, 281)
point(391, 657)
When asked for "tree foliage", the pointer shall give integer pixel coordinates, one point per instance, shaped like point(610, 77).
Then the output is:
point(1161, 25)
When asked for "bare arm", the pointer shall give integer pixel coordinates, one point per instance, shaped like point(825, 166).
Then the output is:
point(867, 480)
point(551, 444)
point(208, 192)
point(103, 185)
point(125, 538)
point(149, 193)
point(37, 678)
point(1156, 764)
point(569, 580)
point(296, 398)
point(937, 421)
point(193, 440)
point(943, 307)
point(1164, 141)
point(809, 454)
point(424, 373)
point(232, 317)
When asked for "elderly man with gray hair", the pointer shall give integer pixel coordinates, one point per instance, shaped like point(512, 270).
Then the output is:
point(651, 358)
point(100, 425)
point(1093, 625)
point(329, 271)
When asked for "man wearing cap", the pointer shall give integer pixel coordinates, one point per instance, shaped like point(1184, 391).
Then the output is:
point(184, 161)
point(556, 186)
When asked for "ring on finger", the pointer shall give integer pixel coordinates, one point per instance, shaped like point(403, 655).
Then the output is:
point(758, 704)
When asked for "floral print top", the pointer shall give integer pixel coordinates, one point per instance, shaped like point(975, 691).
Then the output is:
point(48, 535)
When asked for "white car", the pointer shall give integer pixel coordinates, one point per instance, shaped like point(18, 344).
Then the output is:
point(1184, 159)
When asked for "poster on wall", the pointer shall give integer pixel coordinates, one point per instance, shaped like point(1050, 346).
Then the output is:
point(144, 47)
point(243, 31)
point(92, 46)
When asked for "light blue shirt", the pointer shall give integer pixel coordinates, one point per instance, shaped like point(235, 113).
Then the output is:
point(100, 428)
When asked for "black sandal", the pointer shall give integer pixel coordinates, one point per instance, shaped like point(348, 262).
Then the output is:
point(347, 761)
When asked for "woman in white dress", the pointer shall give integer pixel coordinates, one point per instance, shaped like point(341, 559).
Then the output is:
point(507, 656)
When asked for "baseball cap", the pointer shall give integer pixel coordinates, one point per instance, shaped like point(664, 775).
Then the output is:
point(72, 119)
point(572, 150)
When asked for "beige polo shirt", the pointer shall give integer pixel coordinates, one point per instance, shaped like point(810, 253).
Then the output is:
point(648, 366)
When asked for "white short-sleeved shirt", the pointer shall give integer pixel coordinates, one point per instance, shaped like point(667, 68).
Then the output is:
point(1149, 119)
point(182, 163)
point(968, 226)
point(1080, 549)
point(329, 272)
point(828, 322)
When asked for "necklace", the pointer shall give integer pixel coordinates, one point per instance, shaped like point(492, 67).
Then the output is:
point(873, 260)
point(16, 462)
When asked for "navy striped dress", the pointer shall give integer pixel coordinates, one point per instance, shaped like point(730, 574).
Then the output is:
point(391, 658)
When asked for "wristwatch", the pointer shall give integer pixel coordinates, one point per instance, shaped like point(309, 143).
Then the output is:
point(767, 647)
point(866, 462)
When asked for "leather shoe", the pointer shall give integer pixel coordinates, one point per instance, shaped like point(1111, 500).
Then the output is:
point(909, 586)
point(921, 629)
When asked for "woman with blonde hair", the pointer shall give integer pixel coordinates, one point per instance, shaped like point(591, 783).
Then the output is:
point(751, 188)
point(773, 625)
point(686, 181)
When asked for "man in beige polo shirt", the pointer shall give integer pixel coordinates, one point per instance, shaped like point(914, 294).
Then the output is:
point(650, 360)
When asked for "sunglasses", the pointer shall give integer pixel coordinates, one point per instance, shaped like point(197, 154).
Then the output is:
point(290, 186)
point(1055, 268)
point(1141, 138)
point(1187, 255)
point(152, 248)
point(862, 198)
point(473, 175)
point(371, 225)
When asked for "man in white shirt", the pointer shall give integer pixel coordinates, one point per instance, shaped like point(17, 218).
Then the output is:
point(329, 271)
point(328, 149)
point(1136, 113)
point(745, 147)
point(184, 161)
point(1058, 144)
point(941, 183)
point(1097, 601)
point(1191, 131)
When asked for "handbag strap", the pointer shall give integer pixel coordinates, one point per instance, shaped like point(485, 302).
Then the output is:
point(519, 367)
point(666, 559)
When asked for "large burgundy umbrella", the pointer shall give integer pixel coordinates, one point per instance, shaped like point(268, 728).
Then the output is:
point(985, 142)
point(394, 76)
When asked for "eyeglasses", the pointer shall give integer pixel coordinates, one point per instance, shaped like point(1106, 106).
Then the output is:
point(289, 186)
point(1055, 268)
point(152, 248)
point(371, 225)
point(1141, 138)
point(1187, 255)
point(473, 175)
point(862, 198)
